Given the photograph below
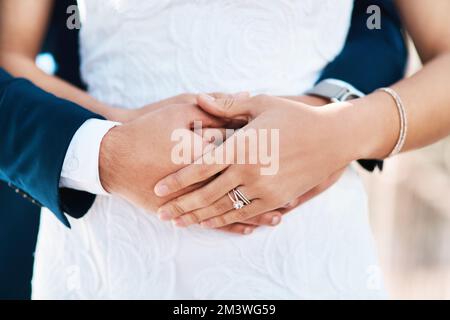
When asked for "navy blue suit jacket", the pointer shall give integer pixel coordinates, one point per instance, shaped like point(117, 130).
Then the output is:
point(20, 218)
point(35, 132)
point(36, 127)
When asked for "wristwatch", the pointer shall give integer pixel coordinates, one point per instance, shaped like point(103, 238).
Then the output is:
point(339, 91)
point(335, 91)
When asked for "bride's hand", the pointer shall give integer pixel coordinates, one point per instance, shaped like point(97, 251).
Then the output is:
point(274, 218)
point(313, 144)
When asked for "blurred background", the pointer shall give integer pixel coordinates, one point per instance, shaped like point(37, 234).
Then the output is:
point(410, 217)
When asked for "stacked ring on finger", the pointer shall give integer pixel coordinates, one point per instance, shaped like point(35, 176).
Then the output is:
point(239, 200)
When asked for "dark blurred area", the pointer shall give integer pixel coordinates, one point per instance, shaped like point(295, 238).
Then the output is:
point(20, 219)
point(18, 232)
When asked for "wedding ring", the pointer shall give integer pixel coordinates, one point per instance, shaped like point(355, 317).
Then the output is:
point(238, 198)
point(241, 196)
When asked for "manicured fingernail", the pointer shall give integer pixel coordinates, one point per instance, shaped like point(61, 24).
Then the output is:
point(276, 220)
point(161, 190)
point(248, 231)
point(164, 215)
point(207, 97)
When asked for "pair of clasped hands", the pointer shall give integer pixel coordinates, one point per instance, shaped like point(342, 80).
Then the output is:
point(135, 159)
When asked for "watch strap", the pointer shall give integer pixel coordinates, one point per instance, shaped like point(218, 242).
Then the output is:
point(335, 90)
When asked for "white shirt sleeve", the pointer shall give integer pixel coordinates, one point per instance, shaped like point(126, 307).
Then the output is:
point(80, 170)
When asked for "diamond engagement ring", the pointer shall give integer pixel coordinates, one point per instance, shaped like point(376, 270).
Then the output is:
point(238, 198)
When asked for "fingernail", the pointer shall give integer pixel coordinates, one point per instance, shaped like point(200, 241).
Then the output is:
point(275, 220)
point(164, 215)
point(161, 190)
point(207, 97)
point(248, 231)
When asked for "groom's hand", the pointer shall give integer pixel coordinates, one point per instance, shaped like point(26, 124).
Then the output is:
point(134, 156)
point(127, 115)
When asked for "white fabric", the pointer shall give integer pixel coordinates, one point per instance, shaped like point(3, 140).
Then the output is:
point(80, 169)
point(136, 52)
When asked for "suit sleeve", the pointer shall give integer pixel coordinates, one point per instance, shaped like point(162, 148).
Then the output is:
point(36, 129)
point(371, 59)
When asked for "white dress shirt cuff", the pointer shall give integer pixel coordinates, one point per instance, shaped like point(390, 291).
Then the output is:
point(81, 165)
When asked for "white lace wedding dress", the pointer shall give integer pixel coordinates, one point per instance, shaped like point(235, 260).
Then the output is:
point(136, 52)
